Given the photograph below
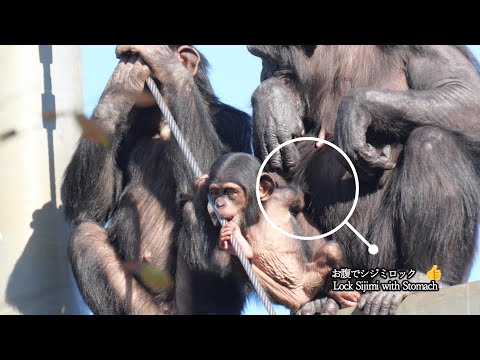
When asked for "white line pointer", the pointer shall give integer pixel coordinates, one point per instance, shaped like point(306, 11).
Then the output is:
point(372, 249)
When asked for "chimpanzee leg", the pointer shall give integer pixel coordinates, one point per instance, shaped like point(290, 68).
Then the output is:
point(438, 205)
point(437, 210)
point(205, 293)
point(85, 253)
point(105, 285)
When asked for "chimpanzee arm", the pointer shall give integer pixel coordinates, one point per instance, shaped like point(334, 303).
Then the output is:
point(186, 104)
point(444, 92)
point(106, 286)
point(233, 126)
point(93, 179)
point(277, 117)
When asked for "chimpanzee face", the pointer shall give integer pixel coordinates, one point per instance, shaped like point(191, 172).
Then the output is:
point(283, 60)
point(272, 59)
point(230, 200)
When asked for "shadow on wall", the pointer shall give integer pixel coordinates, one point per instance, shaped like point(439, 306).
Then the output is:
point(38, 283)
point(41, 281)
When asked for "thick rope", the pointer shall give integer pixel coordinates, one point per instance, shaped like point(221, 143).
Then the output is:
point(197, 172)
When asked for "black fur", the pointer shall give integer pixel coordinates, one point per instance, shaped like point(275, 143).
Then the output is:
point(137, 176)
point(423, 101)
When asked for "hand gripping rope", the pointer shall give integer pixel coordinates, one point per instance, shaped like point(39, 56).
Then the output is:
point(197, 172)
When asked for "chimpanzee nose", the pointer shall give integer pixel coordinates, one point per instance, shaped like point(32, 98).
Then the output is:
point(219, 203)
point(255, 49)
point(251, 48)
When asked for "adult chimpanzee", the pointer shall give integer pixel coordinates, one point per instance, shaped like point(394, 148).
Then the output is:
point(291, 271)
point(408, 117)
point(141, 182)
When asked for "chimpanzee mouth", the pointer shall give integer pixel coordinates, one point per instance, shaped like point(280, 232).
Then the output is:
point(229, 218)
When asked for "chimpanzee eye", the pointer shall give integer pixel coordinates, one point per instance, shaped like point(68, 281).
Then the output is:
point(231, 192)
point(214, 192)
point(283, 73)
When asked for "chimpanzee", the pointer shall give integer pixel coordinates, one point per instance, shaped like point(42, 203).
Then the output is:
point(139, 181)
point(408, 117)
point(291, 271)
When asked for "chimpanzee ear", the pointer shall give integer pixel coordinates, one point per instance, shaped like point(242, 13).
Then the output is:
point(267, 186)
point(309, 49)
point(189, 57)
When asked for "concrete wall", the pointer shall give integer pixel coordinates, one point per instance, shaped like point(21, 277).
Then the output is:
point(40, 90)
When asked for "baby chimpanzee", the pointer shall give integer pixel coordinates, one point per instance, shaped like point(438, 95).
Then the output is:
point(291, 271)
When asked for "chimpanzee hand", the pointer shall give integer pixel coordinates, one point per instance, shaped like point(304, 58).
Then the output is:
point(277, 118)
point(201, 181)
point(381, 302)
point(353, 120)
point(129, 76)
point(345, 298)
point(124, 89)
point(160, 58)
point(225, 244)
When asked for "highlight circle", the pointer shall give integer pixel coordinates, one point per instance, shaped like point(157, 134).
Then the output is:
point(355, 201)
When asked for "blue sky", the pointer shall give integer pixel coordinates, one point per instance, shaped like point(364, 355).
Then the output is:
point(234, 74)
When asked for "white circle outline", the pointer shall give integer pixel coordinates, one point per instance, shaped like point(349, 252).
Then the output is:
point(355, 201)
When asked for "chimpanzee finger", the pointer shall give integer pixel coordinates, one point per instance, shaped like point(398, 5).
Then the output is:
point(276, 159)
point(377, 302)
point(321, 135)
point(142, 68)
point(290, 157)
point(318, 305)
point(386, 303)
point(263, 148)
point(225, 236)
point(130, 62)
point(131, 66)
point(228, 227)
point(354, 295)
point(124, 59)
point(122, 50)
point(307, 309)
point(374, 159)
point(201, 181)
point(290, 154)
point(368, 304)
point(347, 303)
point(227, 246)
point(126, 75)
point(225, 232)
point(350, 298)
point(362, 301)
point(330, 307)
point(395, 303)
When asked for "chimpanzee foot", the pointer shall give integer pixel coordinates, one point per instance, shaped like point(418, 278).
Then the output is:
point(307, 309)
point(321, 306)
point(381, 302)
